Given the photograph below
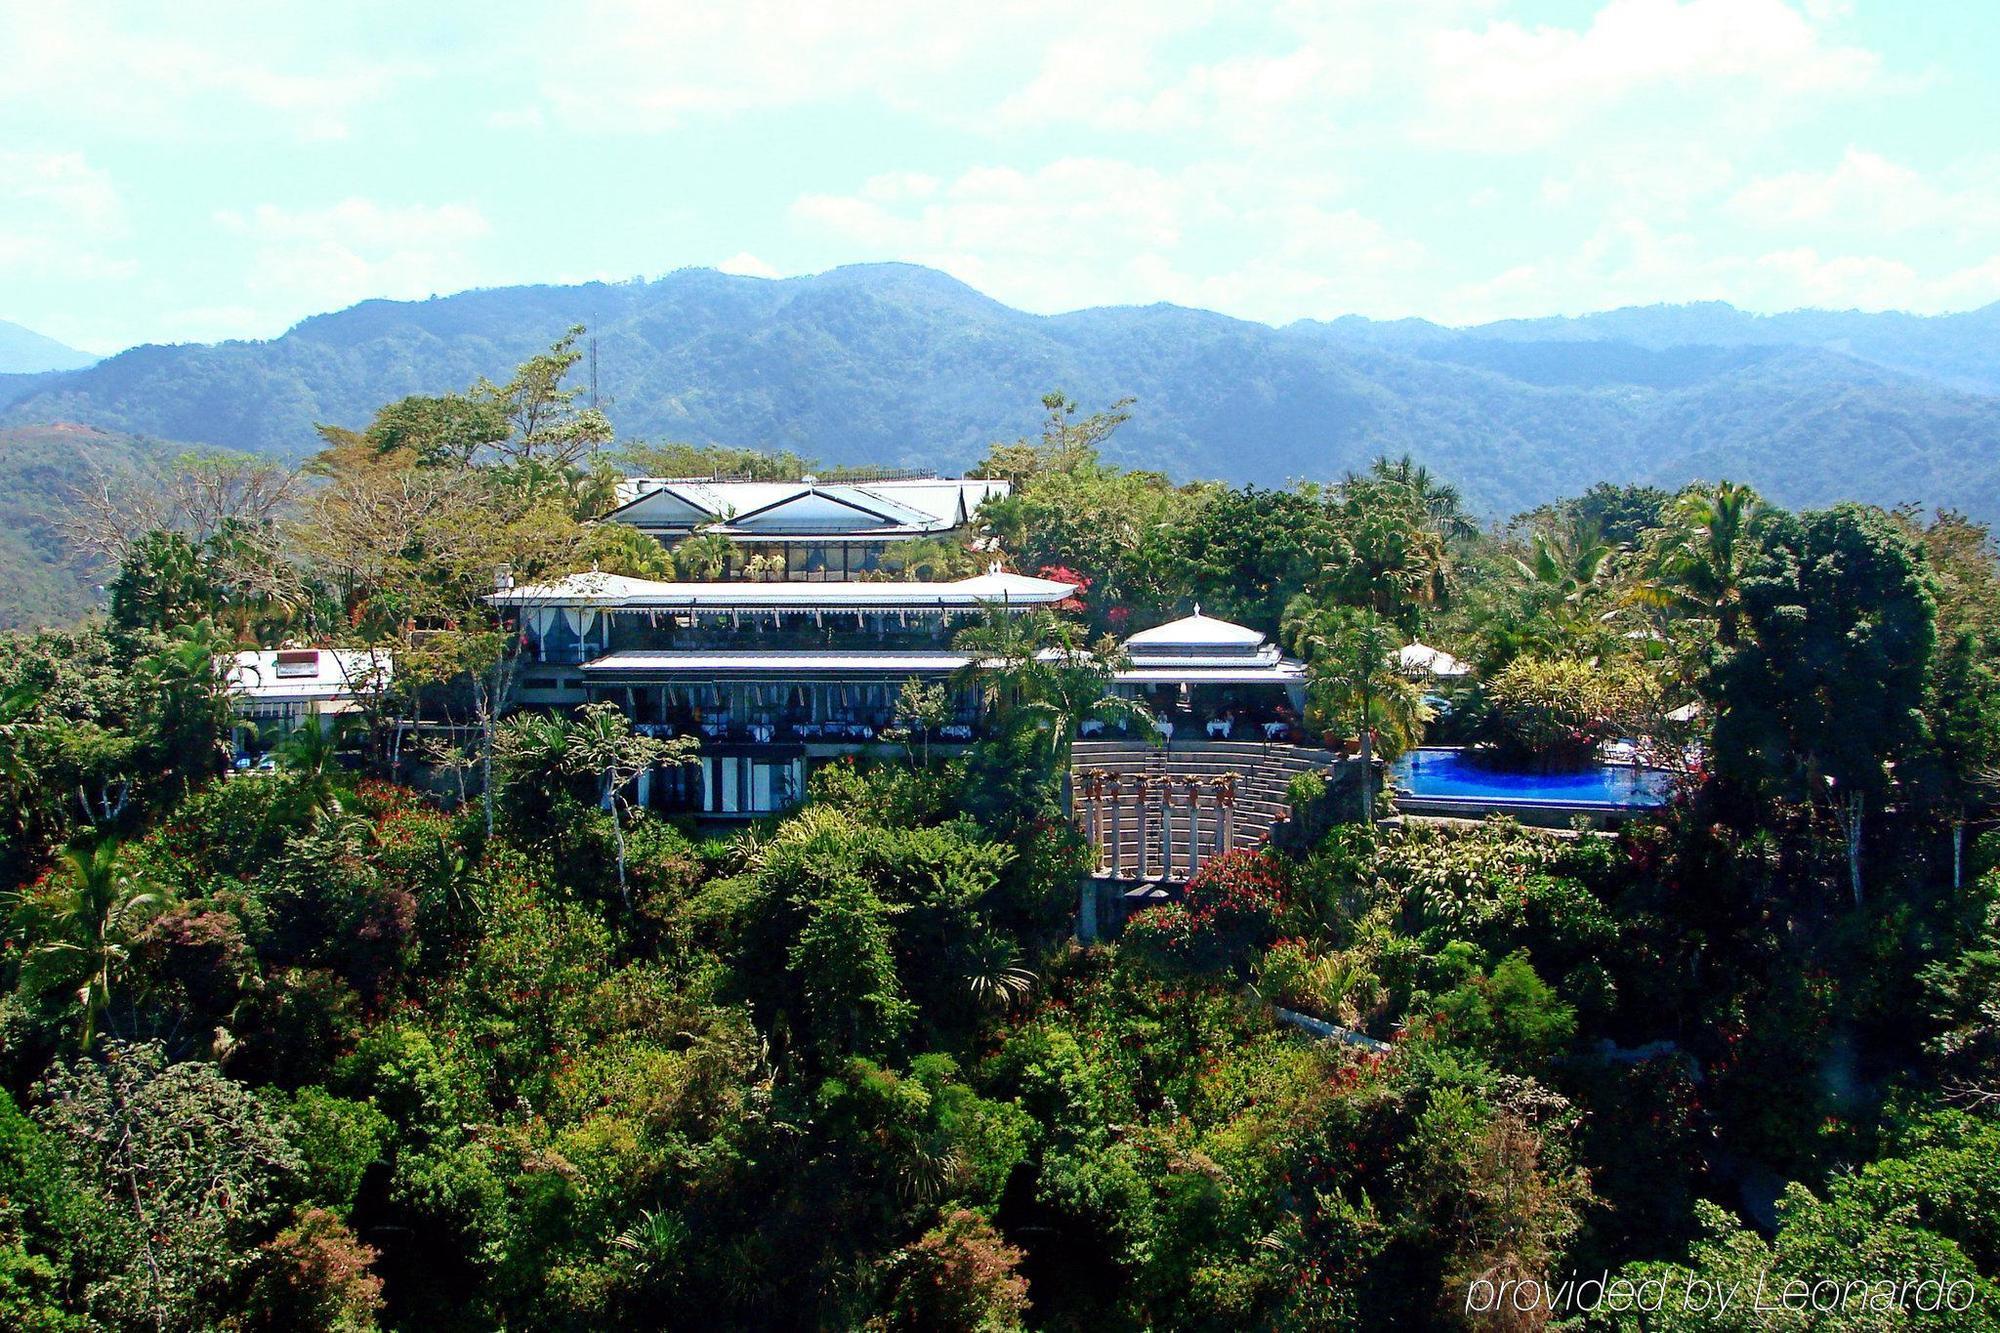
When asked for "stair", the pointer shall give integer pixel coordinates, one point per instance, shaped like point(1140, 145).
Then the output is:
point(1263, 771)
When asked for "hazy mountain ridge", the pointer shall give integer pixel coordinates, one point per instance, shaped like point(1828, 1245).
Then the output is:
point(901, 364)
point(26, 352)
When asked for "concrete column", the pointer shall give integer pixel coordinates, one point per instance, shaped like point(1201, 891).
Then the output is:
point(1145, 826)
point(1117, 826)
point(1195, 827)
point(1094, 806)
point(1226, 798)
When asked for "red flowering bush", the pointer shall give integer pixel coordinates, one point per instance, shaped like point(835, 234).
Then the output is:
point(1064, 574)
point(1228, 911)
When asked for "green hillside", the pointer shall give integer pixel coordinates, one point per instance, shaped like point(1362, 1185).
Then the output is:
point(39, 465)
point(899, 364)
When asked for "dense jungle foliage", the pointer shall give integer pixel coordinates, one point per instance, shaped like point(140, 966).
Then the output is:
point(364, 1041)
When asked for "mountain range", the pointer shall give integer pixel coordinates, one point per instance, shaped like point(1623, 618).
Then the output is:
point(25, 352)
point(898, 364)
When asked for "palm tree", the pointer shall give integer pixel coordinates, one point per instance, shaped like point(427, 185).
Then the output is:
point(312, 752)
point(1035, 674)
point(603, 742)
point(703, 558)
point(189, 704)
point(89, 926)
point(1442, 503)
point(598, 742)
point(1394, 558)
point(1564, 574)
point(16, 773)
point(1696, 561)
point(1352, 671)
point(993, 972)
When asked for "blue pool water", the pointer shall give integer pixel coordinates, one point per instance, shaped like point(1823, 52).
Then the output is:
point(1448, 775)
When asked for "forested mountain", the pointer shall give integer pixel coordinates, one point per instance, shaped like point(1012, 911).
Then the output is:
point(41, 581)
point(895, 363)
point(25, 352)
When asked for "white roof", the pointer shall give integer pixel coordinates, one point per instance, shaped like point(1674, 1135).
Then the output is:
point(897, 506)
point(1686, 712)
point(307, 674)
point(1195, 631)
point(1282, 671)
point(621, 591)
point(1201, 650)
point(1419, 659)
point(779, 663)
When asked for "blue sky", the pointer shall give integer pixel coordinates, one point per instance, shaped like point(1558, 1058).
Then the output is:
point(203, 171)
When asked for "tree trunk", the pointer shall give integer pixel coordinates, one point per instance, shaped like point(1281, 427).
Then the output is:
point(1957, 854)
point(1855, 804)
point(1367, 764)
point(486, 755)
point(618, 836)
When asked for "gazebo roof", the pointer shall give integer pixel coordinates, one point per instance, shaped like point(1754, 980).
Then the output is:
point(1195, 631)
point(1420, 659)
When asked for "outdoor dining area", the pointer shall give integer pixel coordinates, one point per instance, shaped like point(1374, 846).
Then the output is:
point(1222, 719)
point(768, 712)
point(1208, 679)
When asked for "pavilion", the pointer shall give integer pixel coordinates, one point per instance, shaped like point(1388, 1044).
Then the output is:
point(1202, 672)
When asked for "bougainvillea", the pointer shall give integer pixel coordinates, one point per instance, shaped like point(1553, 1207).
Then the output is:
point(1229, 909)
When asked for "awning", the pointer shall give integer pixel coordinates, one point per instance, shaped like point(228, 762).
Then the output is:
point(1282, 674)
point(775, 664)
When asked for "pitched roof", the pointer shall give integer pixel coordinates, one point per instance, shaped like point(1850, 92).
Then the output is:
point(1195, 631)
point(1420, 659)
point(909, 505)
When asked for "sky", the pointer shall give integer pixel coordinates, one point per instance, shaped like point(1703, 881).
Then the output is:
point(200, 171)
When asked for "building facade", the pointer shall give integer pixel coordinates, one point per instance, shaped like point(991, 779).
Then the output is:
point(277, 691)
point(804, 531)
point(772, 676)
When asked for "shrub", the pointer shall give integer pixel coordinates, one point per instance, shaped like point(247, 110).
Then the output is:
point(1305, 789)
point(961, 1277)
point(1551, 714)
point(1230, 909)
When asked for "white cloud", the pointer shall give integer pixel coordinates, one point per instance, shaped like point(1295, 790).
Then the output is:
point(632, 66)
point(1089, 231)
point(60, 217)
point(1873, 282)
point(1867, 192)
point(746, 265)
point(1629, 262)
point(185, 71)
point(303, 261)
point(1509, 87)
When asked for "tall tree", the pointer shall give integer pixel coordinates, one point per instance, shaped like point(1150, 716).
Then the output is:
point(1696, 560)
point(1041, 678)
point(1394, 558)
point(545, 423)
point(1822, 695)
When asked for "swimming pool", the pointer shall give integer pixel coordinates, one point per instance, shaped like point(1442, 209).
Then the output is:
point(1448, 776)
